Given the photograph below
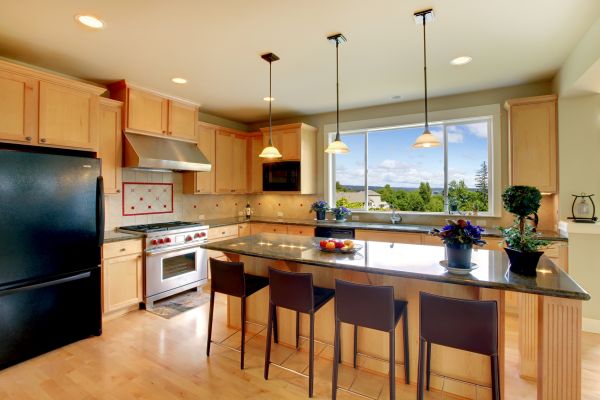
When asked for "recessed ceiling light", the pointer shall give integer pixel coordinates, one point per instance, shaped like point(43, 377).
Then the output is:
point(462, 60)
point(90, 21)
point(269, 98)
point(180, 81)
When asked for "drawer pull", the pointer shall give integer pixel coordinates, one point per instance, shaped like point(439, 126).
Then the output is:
point(43, 140)
point(122, 250)
point(28, 138)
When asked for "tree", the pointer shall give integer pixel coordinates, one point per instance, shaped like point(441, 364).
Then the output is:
point(481, 182)
point(414, 202)
point(425, 192)
point(340, 188)
point(343, 202)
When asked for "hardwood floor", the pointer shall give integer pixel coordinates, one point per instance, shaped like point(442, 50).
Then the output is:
point(144, 356)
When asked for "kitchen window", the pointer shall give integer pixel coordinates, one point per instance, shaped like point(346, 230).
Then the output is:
point(383, 171)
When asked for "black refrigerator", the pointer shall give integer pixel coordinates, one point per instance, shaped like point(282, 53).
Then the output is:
point(51, 230)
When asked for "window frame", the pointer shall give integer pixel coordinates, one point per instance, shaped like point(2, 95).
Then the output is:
point(449, 117)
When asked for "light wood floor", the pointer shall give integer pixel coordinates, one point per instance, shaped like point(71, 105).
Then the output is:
point(143, 356)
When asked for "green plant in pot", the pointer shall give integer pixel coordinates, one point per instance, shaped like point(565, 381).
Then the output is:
point(320, 207)
point(459, 237)
point(341, 213)
point(522, 241)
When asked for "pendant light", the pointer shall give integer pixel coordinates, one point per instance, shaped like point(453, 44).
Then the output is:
point(337, 146)
point(427, 139)
point(270, 151)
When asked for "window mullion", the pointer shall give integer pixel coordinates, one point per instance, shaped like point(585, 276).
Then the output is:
point(446, 202)
point(366, 207)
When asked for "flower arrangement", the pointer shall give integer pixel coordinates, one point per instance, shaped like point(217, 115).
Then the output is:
point(341, 213)
point(319, 205)
point(460, 232)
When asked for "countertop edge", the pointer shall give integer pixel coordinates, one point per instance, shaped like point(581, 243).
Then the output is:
point(115, 236)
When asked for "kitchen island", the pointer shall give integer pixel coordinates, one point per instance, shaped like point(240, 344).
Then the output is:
point(414, 268)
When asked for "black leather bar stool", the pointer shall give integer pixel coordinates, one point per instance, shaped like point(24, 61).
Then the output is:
point(469, 325)
point(229, 278)
point(371, 307)
point(295, 291)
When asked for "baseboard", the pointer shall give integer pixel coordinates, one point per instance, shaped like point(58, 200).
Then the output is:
point(591, 325)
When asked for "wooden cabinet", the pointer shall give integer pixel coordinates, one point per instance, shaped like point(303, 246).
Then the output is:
point(385, 236)
point(301, 230)
point(287, 139)
point(152, 113)
point(255, 146)
point(243, 230)
point(18, 108)
point(110, 148)
point(122, 277)
point(533, 142)
point(260, 227)
point(202, 182)
point(230, 163)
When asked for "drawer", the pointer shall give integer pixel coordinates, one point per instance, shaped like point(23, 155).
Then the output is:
point(243, 230)
point(301, 230)
point(222, 232)
point(124, 248)
point(431, 240)
point(389, 237)
point(259, 227)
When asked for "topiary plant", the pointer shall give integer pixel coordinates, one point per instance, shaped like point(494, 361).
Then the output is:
point(522, 201)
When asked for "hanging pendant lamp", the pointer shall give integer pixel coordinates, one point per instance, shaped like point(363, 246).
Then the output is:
point(427, 139)
point(270, 151)
point(337, 146)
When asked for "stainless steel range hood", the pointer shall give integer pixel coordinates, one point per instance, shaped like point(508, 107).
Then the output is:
point(150, 152)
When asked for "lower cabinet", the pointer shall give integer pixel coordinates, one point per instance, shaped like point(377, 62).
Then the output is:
point(122, 277)
point(260, 227)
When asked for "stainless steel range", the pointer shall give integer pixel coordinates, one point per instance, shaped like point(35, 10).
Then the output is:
point(173, 260)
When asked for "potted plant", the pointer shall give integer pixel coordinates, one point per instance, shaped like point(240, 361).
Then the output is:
point(459, 238)
point(341, 213)
point(522, 241)
point(320, 207)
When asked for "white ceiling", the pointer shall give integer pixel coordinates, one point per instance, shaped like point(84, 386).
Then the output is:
point(216, 45)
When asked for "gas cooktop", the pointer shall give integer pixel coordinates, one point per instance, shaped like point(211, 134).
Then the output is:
point(159, 227)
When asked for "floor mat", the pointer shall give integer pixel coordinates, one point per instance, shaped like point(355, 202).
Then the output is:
point(180, 303)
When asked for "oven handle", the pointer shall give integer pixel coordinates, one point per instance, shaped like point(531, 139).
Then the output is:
point(171, 249)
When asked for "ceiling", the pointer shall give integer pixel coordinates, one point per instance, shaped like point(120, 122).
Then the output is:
point(216, 45)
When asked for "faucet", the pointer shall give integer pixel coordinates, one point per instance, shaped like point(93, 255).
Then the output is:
point(395, 217)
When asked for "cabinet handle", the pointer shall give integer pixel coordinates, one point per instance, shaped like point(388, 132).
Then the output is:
point(122, 250)
point(164, 131)
point(118, 190)
point(28, 138)
point(43, 140)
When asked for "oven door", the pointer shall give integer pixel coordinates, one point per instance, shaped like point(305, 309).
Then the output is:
point(169, 271)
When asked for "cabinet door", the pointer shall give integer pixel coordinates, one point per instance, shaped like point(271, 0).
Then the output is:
point(389, 237)
point(205, 181)
point(183, 119)
point(255, 146)
point(147, 112)
point(301, 230)
point(223, 162)
point(122, 282)
point(18, 108)
point(290, 142)
point(110, 149)
point(239, 164)
point(68, 117)
point(243, 230)
point(533, 145)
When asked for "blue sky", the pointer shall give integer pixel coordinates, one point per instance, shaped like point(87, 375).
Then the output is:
point(393, 160)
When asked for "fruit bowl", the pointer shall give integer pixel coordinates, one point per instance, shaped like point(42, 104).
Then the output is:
point(338, 246)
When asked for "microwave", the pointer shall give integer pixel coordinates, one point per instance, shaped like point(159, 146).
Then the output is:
point(281, 176)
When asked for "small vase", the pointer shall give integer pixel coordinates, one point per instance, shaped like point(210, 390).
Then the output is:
point(321, 214)
point(523, 262)
point(459, 255)
point(340, 218)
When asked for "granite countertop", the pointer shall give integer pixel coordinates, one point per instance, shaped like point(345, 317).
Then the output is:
point(407, 261)
point(115, 236)
point(490, 232)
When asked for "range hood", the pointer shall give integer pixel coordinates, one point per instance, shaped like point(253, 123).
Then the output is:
point(156, 153)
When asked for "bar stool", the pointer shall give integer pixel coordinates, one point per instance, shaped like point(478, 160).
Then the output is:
point(229, 278)
point(295, 291)
point(371, 307)
point(469, 325)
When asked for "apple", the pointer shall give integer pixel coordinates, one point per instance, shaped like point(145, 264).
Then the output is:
point(330, 246)
point(323, 243)
point(339, 245)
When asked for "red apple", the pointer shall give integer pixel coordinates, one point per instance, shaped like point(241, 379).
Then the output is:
point(323, 243)
point(339, 245)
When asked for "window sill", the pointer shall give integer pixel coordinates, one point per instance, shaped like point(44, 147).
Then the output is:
point(424, 214)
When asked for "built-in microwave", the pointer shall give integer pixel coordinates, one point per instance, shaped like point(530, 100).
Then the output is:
point(282, 176)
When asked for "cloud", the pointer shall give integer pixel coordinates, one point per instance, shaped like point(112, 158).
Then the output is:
point(454, 135)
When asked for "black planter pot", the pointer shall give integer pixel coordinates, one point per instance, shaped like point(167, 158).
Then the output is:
point(321, 215)
point(523, 263)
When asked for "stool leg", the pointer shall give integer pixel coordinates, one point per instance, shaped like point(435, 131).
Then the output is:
point(210, 321)
point(392, 364)
point(275, 327)
point(336, 354)
point(355, 345)
point(311, 359)
point(406, 353)
point(269, 334)
point(243, 348)
point(428, 356)
point(420, 370)
point(495, 378)
point(297, 330)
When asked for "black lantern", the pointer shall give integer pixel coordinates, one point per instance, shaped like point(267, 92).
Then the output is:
point(581, 208)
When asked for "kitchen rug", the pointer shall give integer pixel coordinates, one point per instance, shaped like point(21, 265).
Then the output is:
point(180, 303)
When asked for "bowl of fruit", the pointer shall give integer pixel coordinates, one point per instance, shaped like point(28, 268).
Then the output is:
point(339, 246)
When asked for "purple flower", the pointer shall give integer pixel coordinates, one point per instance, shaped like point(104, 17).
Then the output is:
point(460, 232)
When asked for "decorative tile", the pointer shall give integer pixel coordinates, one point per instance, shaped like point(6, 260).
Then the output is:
point(147, 198)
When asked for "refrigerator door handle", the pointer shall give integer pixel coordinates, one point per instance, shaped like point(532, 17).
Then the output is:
point(77, 277)
point(100, 210)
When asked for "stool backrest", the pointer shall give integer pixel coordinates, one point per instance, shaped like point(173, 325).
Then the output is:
point(227, 277)
point(469, 325)
point(292, 290)
point(365, 305)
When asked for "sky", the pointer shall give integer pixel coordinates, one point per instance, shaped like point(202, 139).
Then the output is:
point(393, 160)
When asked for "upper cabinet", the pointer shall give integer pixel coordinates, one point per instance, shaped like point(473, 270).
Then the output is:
point(255, 146)
point(42, 109)
point(202, 182)
point(110, 148)
point(533, 142)
point(152, 113)
point(230, 162)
